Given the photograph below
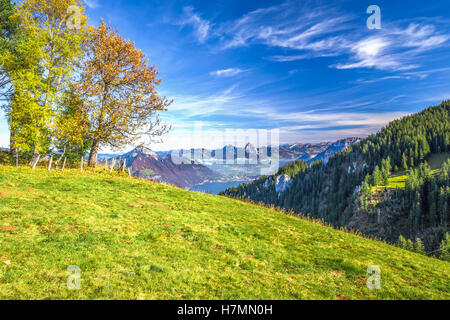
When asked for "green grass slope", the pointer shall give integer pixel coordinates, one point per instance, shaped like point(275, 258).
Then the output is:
point(134, 239)
point(398, 179)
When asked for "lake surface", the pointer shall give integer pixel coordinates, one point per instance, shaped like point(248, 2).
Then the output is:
point(216, 187)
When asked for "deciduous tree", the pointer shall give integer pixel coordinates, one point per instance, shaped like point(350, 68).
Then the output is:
point(43, 61)
point(9, 32)
point(118, 90)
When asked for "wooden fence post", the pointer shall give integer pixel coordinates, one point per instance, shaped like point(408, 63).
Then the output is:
point(64, 164)
point(50, 163)
point(82, 159)
point(129, 172)
point(124, 165)
point(37, 160)
point(112, 165)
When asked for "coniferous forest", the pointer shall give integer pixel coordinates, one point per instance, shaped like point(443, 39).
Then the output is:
point(353, 189)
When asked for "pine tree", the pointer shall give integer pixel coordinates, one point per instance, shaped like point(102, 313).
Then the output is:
point(404, 162)
point(401, 243)
point(409, 245)
point(377, 177)
point(419, 248)
point(444, 249)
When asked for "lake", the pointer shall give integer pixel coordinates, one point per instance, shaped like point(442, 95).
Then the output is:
point(216, 187)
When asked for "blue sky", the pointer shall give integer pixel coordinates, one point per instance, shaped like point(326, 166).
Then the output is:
point(311, 69)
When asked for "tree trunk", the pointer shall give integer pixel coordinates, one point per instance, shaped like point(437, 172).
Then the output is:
point(61, 157)
point(113, 164)
point(50, 163)
point(12, 143)
point(36, 155)
point(36, 161)
point(94, 153)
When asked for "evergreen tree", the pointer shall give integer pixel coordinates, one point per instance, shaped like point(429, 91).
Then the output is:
point(444, 249)
point(377, 177)
point(401, 243)
point(419, 248)
point(404, 162)
point(410, 245)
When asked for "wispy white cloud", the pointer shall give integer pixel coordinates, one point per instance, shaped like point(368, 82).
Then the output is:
point(190, 106)
point(383, 79)
point(319, 115)
point(93, 4)
point(395, 48)
point(420, 74)
point(289, 58)
point(421, 37)
point(202, 27)
point(289, 25)
point(305, 33)
point(231, 72)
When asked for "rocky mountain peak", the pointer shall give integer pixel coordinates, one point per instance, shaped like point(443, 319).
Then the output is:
point(146, 152)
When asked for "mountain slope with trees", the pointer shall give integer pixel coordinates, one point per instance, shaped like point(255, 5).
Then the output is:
point(339, 190)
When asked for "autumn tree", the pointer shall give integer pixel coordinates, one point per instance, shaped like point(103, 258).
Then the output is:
point(118, 91)
point(41, 65)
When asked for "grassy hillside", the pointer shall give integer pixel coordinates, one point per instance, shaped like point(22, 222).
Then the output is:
point(135, 239)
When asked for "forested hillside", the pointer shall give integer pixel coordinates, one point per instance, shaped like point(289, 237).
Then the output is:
point(341, 192)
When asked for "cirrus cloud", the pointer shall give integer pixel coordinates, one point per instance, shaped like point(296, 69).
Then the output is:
point(230, 72)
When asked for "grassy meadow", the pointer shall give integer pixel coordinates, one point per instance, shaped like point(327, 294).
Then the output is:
point(398, 179)
point(135, 239)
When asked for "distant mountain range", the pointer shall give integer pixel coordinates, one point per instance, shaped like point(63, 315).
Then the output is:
point(311, 152)
point(147, 164)
point(288, 152)
point(208, 165)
